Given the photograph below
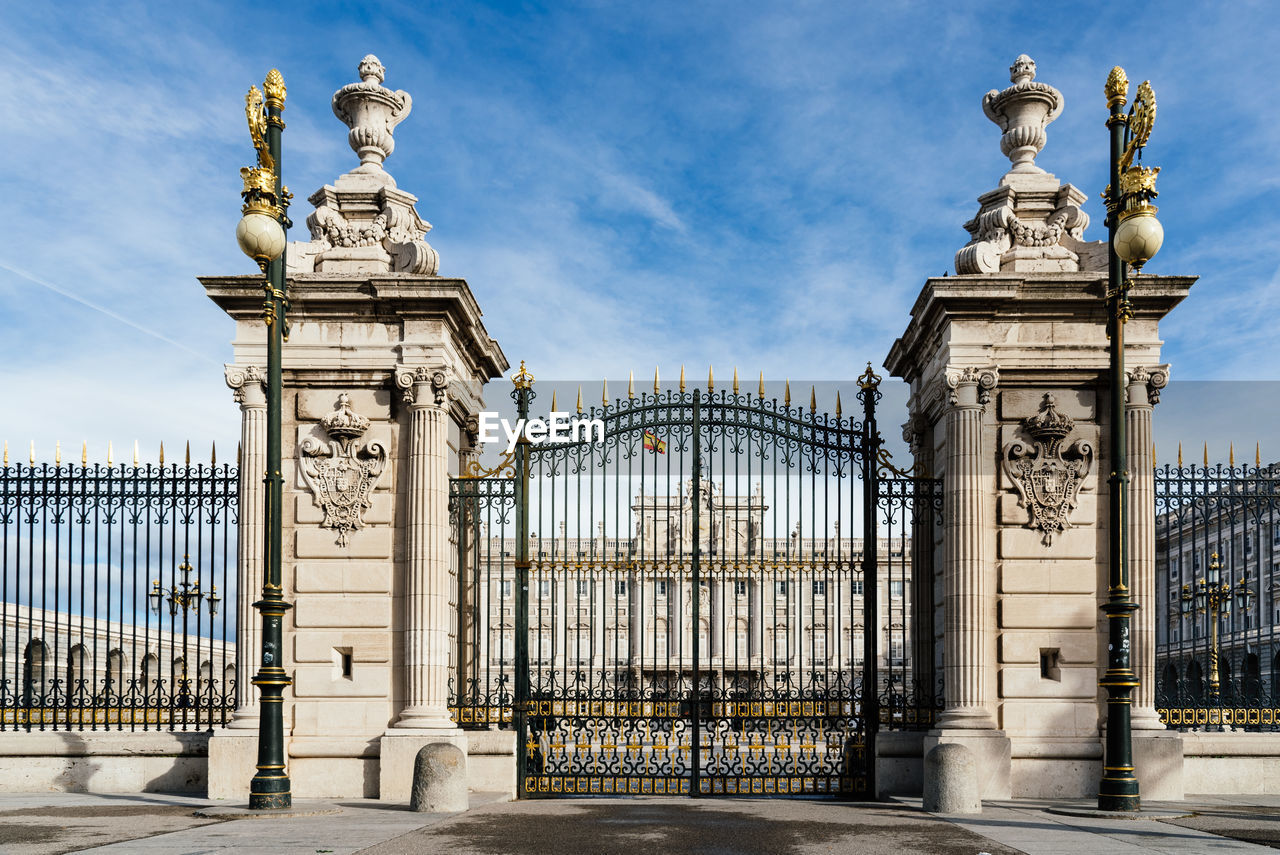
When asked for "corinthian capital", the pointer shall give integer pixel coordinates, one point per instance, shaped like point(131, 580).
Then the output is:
point(971, 386)
point(248, 384)
point(423, 384)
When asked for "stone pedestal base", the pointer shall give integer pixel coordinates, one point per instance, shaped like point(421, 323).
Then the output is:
point(233, 761)
point(397, 753)
point(1157, 763)
point(491, 761)
point(992, 751)
point(1056, 767)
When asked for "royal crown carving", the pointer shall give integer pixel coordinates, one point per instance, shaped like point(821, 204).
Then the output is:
point(1047, 477)
point(343, 472)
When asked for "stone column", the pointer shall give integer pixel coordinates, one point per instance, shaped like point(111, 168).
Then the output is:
point(917, 434)
point(966, 488)
point(249, 386)
point(1143, 393)
point(427, 594)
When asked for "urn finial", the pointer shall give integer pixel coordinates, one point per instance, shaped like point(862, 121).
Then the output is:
point(1023, 111)
point(372, 112)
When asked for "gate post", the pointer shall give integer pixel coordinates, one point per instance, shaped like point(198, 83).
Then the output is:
point(869, 392)
point(383, 372)
point(1023, 572)
point(523, 394)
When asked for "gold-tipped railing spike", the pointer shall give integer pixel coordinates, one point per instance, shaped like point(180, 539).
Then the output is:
point(553, 400)
point(604, 392)
point(735, 379)
point(838, 413)
point(161, 452)
point(84, 453)
point(655, 379)
point(1206, 454)
point(57, 453)
point(762, 385)
point(1154, 462)
point(188, 457)
point(213, 454)
point(1257, 455)
point(711, 380)
point(1179, 454)
point(579, 399)
point(1231, 455)
point(33, 452)
point(813, 400)
point(239, 454)
point(111, 453)
point(631, 385)
point(682, 379)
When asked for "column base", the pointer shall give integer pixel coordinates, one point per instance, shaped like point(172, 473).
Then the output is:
point(245, 718)
point(1145, 718)
point(397, 750)
point(992, 751)
point(966, 718)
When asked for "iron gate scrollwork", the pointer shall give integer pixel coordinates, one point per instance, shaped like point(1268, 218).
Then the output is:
point(682, 607)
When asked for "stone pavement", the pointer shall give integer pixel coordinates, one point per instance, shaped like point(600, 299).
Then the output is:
point(49, 823)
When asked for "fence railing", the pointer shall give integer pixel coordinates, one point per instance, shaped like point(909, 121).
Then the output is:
point(112, 596)
point(1218, 596)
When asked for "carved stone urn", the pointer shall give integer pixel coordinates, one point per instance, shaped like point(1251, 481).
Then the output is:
point(1023, 111)
point(372, 112)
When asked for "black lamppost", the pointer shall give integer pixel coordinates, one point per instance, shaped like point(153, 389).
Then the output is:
point(1135, 236)
point(261, 235)
point(185, 595)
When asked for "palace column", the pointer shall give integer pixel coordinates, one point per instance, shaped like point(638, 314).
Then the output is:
point(248, 384)
point(964, 561)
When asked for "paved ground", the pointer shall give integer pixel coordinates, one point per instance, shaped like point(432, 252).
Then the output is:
point(49, 823)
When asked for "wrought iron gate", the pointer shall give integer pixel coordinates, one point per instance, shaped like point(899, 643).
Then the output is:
point(679, 606)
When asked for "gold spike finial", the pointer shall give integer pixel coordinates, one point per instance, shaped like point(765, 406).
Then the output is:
point(1154, 463)
point(33, 452)
point(631, 385)
point(135, 452)
point(711, 380)
point(213, 454)
point(110, 454)
point(273, 87)
point(162, 452)
point(786, 393)
point(239, 453)
point(682, 378)
point(762, 385)
point(188, 458)
point(1257, 455)
point(579, 398)
point(84, 453)
point(1117, 86)
point(1179, 454)
point(655, 379)
point(813, 400)
point(57, 453)
point(553, 400)
point(1231, 455)
point(735, 379)
point(838, 413)
point(1206, 454)
point(604, 392)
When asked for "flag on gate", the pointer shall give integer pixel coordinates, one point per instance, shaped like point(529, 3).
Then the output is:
point(652, 443)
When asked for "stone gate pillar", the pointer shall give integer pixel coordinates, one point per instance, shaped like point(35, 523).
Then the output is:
point(383, 370)
point(1023, 557)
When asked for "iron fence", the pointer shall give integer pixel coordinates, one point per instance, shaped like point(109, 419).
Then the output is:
point(111, 596)
point(1218, 596)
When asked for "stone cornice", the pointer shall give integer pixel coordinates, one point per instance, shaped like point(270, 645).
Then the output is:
point(384, 298)
point(1038, 297)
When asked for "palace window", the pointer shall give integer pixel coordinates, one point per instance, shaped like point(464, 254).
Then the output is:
point(780, 588)
point(620, 587)
point(740, 587)
point(504, 589)
point(896, 589)
point(820, 588)
point(584, 588)
point(544, 588)
point(660, 588)
point(857, 587)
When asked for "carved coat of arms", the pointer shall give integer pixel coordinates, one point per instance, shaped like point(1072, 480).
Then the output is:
point(1047, 477)
point(342, 472)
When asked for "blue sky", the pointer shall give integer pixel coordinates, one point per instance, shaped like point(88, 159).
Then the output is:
point(623, 185)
